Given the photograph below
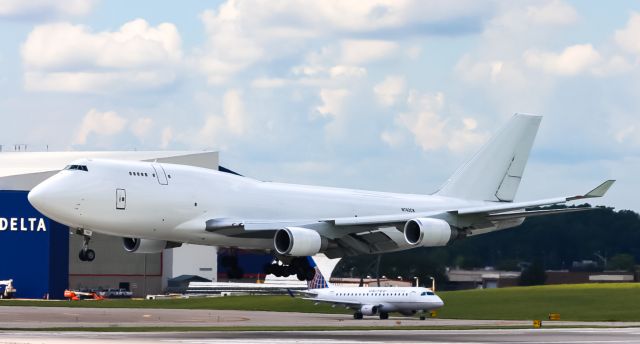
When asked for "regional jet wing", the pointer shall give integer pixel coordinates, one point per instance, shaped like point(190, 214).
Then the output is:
point(350, 304)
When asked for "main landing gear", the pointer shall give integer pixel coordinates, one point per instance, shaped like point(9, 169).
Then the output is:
point(357, 315)
point(86, 254)
point(298, 266)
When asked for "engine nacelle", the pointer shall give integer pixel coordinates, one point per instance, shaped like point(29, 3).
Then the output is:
point(369, 310)
point(298, 241)
point(136, 245)
point(428, 232)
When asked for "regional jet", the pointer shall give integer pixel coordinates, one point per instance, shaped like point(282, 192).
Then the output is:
point(155, 206)
point(373, 300)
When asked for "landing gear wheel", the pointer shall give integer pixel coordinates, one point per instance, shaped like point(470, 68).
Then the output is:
point(90, 255)
point(384, 315)
point(86, 254)
point(301, 276)
point(357, 315)
point(422, 317)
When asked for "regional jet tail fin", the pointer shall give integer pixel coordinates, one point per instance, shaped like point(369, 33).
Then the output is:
point(494, 173)
point(324, 267)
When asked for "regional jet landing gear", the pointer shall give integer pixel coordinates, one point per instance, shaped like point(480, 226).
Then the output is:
point(357, 315)
point(86, 254)
point(298, 266)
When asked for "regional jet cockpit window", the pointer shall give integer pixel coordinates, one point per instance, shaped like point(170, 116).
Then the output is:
point(425, 293)
point(77, 167)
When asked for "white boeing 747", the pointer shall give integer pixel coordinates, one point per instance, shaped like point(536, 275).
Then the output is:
point(373, 300)
point(155, 206)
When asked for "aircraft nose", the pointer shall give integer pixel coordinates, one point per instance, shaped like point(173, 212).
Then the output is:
point(51, 199)
point(39, 197)
point(439, 302)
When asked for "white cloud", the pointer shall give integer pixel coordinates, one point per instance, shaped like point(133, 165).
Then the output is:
point(72, 58)
point(34, 9)
point(629, 37)
point(390, 89)
point(342, 71)
point(552, 13)
point(423, 120)
point(332, 101)
point(242, 33)
point(269, 82)
point(572, 60)
point(218, 130)
point(141, 127)
point(166, 137)
point(101, 123)
point(364, 51)
point(430, 131)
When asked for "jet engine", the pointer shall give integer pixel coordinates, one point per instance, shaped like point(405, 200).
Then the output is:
point(298, 241)
point(136, 245)
point(428, 232)
point(369, 310)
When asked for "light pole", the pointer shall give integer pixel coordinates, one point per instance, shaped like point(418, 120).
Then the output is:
point(433, 283)
point(417, 281)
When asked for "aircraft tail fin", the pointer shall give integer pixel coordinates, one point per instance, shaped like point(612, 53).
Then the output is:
point(494, 173)
point(324, 267)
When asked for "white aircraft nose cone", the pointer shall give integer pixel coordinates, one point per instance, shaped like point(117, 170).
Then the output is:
point(38, 197)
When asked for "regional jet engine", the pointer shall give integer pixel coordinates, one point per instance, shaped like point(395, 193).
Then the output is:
point(298, 241)
point(136, 245)
point(369, 310)
point(428, 232)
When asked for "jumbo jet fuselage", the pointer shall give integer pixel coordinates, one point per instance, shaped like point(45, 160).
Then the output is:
point(166, 204)
point(172, 202)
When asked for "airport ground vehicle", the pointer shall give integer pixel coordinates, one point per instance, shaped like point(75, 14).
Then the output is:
point(77, 295)
point(7, 291)
point(115, 293)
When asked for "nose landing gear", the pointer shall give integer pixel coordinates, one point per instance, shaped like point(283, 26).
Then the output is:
point(86, 254)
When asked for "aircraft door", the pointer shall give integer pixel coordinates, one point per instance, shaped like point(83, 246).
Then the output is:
point(162, 176)
point(121, 199)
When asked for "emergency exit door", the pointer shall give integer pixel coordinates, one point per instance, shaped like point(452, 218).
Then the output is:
point(162, 176)
point(121, 199)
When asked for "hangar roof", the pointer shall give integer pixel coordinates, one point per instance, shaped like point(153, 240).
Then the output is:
point(23, 170)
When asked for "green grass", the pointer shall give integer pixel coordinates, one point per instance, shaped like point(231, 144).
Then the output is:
point(582, 302)
point(586, 302)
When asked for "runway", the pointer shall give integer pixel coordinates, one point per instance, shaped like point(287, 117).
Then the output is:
point(51, 317)
point(559, 336)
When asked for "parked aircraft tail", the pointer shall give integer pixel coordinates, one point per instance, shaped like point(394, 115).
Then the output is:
point(494, 173)
point(321, 263)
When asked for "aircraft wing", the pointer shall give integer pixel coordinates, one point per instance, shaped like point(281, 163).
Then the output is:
point(350, 304)
point(497, 211)
point(383, 233)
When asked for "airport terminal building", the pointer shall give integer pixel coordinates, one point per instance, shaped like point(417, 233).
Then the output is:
point(42, 256)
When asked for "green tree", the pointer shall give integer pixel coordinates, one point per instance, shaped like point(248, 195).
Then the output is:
point(533, 275)
point(622, 261)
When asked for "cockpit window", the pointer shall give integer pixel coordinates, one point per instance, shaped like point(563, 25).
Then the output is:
point(425, 293)
point(77, 167)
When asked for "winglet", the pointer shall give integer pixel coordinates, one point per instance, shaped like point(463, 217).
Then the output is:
point(599, 191)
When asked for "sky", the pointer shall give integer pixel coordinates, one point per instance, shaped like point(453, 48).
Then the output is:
point(390, 95)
